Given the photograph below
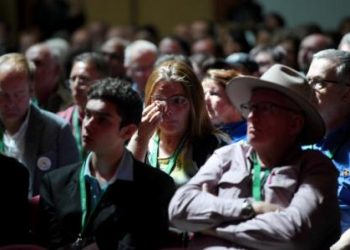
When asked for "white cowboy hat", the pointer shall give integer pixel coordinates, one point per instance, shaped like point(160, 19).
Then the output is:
point(288, 82)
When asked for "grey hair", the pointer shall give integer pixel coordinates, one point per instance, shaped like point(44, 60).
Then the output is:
point(345, 39)
point(342, 60)
point(60, 49)
point(137, 47)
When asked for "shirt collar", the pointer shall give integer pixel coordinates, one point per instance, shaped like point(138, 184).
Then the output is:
point(125, 169)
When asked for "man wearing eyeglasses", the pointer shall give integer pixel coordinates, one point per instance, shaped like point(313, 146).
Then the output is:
point(329, 76)
point(86, 69)
point(267, 193)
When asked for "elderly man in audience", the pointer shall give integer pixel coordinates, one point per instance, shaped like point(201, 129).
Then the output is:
point(329, 76)
point(39, 139)
point(86, 69)
point(49, 91)
point(140, 57)
point(267, 193)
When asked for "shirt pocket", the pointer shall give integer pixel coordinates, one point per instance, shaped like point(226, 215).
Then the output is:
point(281, 185)
point(234, 184)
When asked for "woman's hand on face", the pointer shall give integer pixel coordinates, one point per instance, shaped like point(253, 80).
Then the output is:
point(152, 116)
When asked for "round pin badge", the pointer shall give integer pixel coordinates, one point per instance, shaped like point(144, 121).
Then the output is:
point(44, 163)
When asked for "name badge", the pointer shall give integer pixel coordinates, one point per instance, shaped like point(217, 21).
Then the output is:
point(44, 163)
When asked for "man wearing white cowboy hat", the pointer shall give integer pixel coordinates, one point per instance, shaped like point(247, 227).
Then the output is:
point(267, 193)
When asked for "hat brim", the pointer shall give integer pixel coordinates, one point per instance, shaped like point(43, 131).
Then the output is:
point(239, 91)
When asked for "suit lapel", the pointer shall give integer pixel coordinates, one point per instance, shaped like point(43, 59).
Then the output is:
point(116, 203)
point(35, 126)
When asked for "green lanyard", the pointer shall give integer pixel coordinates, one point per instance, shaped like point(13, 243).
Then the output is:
point(331, 153)
point(172, 161)
point(35, 101)
point(77, 132)
point(2, 144)
point(257, 180)
point(84, 198)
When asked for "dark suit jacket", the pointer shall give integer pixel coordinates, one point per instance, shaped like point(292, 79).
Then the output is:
point(14, 201)
point(48, 136)
point(131, 215)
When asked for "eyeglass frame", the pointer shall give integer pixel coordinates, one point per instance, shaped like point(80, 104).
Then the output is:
point(245, 110)
point(170, 100)
point(321, 82)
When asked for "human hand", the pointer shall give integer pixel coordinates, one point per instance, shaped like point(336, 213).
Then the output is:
point(152, 116)
point(340, 246)
point(343, 243)
point(261, 207)
point(205, 187)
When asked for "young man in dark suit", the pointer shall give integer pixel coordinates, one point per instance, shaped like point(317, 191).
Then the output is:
point(111, 200)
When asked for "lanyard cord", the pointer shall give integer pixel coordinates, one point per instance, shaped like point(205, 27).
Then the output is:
point(85, 219)
point(331, 153)
point(172, 161)
point(257, 180)
point(2, 144)
point(77, 132)
point(83, 198)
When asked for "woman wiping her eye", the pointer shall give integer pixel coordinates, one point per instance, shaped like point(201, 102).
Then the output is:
point(175, 134)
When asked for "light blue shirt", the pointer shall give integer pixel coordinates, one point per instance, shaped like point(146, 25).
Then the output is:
point(125, 171)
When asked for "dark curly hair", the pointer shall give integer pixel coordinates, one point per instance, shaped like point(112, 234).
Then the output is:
point(119, 92)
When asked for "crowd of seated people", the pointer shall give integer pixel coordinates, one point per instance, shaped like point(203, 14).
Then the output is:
point(212, 137)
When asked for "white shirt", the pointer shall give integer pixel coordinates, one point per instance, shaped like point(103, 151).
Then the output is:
point(15, 144)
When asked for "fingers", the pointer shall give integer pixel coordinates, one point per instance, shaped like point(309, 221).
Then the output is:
point(205, 187)
point(261, 207)
point(151, 117)
point(153, 113)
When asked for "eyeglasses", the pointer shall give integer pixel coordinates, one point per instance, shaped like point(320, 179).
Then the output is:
point(176, 100)
point(318, 84)
point(263, 108)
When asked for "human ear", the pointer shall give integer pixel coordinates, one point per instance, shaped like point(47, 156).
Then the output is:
point(127, 131)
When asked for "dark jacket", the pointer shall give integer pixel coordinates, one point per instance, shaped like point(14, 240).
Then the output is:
point(14, 202)
point(131, 214)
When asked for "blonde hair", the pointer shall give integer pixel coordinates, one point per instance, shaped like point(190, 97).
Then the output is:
point(20, 64)
point(175, 71)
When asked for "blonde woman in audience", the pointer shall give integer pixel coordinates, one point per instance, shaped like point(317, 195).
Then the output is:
point(176, 134)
